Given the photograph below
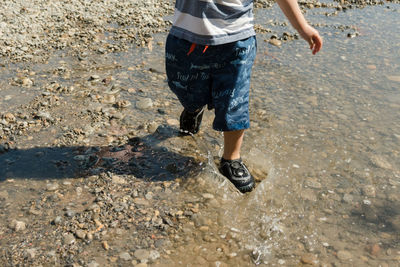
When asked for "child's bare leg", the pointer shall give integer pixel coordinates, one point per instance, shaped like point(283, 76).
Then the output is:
point(232, 143)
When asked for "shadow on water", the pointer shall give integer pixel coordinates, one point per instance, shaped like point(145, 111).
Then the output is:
point(142, 157)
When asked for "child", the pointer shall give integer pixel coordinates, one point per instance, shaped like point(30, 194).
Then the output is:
point(210, 51)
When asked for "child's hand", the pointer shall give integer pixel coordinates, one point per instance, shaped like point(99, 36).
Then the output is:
point(313, 38)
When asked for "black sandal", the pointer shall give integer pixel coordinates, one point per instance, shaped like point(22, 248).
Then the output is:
point(238, 174)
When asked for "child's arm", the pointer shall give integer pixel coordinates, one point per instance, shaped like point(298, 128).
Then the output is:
point(292, 11)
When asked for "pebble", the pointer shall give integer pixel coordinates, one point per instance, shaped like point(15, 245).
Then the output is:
point(57, 220)
point(381, 162)
point(141, 201)
point(149, 195)
point(141, 254)
point(152, 127)
point(9, 117)
point(93, 264)
point(394, 78)
point(80, 234)
point(344, 255)
point(172, 122)
point(108, 99)
point(125, 256)
point(374, 250)
point(144, 103)
point(275, 42)
point(44, 115)
point(348, 198)
point(308, 194)
point(309, 259)
point(69, 239)
point(369, 191)
point(154, 255)
point(118, 180)
point(31, 252)
point(52, 187)
point(3, 194)
point(105, 245)
point(26, 82)
point(313, 183)
point(395, 222)
point(17, 226)
point(208, 196)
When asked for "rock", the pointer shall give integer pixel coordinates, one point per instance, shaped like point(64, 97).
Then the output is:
point(395, 222)
point(80, 234)
point(144, 103)
point(108, 99)
point(17, 226)
point(125, 256)
point(118, 180)
point(105, 245)
point(348, 198)
point(374, 249)
point(57, 220)
point(309, 259)
point(313, 183)
point(93, 264)
point(31, 252)
point(394, 78)
point(344, 255)
point(208, 196)
point(141, 201)
point(3, 194)
point(122, 104)
point(275, 42)
point(369, 191)
point(308, 194)
point(141, 265)
point(159, 243)
point(173, 122)
point(94, 77)
point(152, 127)
point(9, 117)
point(70, 213)
point(381, 162)
point(52, 187)
point(154, 255)
point(149, 196)
point(44, 116)
point(141, 254)
point(69, 239)
point(26, 82)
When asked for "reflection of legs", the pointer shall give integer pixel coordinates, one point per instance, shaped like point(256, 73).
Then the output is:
point(232, 143)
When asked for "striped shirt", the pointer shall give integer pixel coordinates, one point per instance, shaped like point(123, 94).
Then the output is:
point(213, 22)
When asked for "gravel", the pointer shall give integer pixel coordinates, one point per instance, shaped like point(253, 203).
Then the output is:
point(29, 29)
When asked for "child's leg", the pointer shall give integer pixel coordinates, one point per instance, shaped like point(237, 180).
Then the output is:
point(232, 143)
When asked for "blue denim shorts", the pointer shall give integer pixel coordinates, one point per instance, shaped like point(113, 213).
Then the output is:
point(217, 76)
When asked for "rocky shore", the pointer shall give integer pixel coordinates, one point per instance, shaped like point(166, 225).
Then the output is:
point(31, 30)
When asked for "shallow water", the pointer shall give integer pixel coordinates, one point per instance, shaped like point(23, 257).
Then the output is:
point(324, 145)
point(326, 133)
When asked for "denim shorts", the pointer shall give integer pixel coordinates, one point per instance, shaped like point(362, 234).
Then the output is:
point(217, 76)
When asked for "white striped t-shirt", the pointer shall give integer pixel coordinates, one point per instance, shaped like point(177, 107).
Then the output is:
point(213, 22)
